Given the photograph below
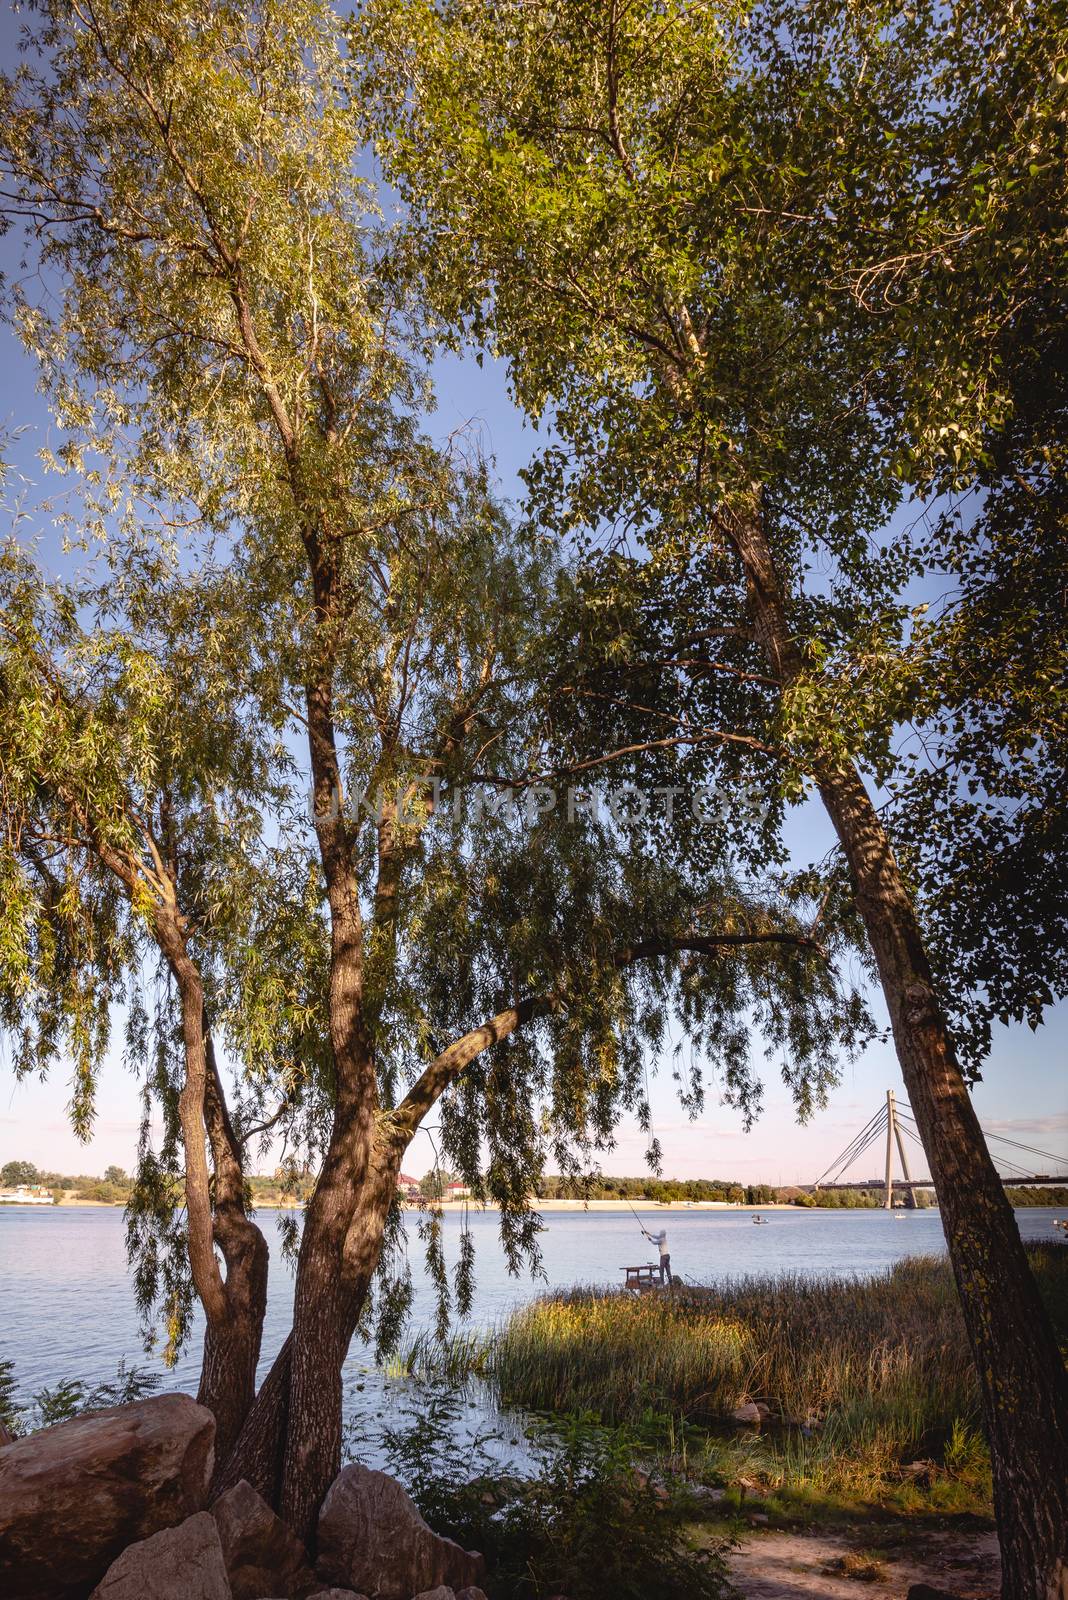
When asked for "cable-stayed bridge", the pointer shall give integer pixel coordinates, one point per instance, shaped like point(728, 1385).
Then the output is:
point(894, 1124)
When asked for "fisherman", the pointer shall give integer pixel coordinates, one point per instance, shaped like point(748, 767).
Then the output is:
point(660, 1240)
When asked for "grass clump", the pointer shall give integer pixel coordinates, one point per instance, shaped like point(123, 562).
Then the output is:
point(863, 1355)
point(870, 1382)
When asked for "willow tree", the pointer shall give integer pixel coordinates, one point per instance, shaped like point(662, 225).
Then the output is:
point(136, 791)
point(239, 379)
point(759, 265)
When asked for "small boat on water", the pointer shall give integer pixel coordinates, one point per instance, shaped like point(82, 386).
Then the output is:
point(761, 1222)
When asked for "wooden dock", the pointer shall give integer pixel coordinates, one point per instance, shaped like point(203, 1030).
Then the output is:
point(646, 1276)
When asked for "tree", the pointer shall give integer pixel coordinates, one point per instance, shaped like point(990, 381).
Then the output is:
point(669, 219)
point(16, 1172)
point(117, 743)
point(293, 567)
point(432, 1184)
point(116, 1175)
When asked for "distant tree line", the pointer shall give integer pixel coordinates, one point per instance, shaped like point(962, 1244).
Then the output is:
point(112, 1189)
point(1034, 1195)
point(663, 1190)
point(286, 1187)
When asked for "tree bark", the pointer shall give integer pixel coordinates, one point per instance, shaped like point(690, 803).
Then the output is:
point(290, 1446)
point(258, 1454)
point(232, 1348)
point(1021, 1372)
point(234, 1306)
point(332, 1288)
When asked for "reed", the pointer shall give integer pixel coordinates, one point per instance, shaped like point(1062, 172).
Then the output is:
point(874, 1371)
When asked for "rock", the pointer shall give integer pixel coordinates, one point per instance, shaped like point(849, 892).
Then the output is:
point(74, 1496)
point(259, 1550)
point(372, 1538)
point(748, 1413)
point(182, 1563)
point(472, 1593)
point(440, 1593)
point(325, 1594)
point(337, 1594)
point(765, 1411)
point(759, 1519)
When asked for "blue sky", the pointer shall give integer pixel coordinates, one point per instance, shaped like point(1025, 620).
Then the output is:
point(1025, 1087)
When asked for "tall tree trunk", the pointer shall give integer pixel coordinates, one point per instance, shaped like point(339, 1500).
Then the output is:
point(1021, 1372)
point(234, 1306)
point(332, 1288)
point(290, 1446)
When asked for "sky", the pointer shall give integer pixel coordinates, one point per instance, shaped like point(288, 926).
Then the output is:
point(1024, 1092)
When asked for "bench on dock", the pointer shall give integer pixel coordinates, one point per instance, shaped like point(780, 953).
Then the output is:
point(644, 1277)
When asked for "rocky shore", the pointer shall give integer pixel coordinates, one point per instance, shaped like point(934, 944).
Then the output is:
point(117, 1505)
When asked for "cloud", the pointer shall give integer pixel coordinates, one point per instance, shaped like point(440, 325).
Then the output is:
point(1057, 1122)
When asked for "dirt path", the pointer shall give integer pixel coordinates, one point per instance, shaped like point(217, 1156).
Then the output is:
point(800, 1566)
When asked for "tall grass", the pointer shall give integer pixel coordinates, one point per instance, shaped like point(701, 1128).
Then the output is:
point(875, 1369)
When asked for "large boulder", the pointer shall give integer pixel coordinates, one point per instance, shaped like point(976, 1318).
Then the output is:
point(183, 1563)
point(372, 1538)
point(74, 1496)
point(260, 1552)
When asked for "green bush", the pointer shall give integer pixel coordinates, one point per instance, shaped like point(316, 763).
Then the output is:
point(9, 1410)
point(582, 1522)
point(70, 1397)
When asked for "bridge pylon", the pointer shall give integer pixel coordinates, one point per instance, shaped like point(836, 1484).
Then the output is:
point(893, 1132)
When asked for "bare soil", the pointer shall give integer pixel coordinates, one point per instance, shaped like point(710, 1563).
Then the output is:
point(799, 1566)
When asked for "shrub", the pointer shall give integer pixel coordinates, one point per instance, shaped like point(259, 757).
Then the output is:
point(582, 1522)
point(71, 1396)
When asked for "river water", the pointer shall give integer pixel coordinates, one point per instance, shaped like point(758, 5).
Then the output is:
point(67, 1307)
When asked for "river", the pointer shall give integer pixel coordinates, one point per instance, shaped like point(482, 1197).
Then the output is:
point(68, 1308)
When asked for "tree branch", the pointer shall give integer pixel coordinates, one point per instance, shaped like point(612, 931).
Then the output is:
point(451, 1062)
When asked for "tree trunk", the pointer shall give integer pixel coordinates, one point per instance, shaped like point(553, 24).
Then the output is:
point(290, 1447)
point(258, 1454)
point(228, 1373)
point(1021, 1372)
point(332, 1288)
point(231, 1344)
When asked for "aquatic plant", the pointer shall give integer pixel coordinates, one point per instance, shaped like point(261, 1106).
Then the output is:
point(861, 1376)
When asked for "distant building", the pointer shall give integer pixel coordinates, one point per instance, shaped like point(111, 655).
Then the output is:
point(457, 1191)
point(26, 1195)
point(409, 1187)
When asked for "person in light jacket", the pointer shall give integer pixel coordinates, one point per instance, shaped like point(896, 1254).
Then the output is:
point(660, 1240)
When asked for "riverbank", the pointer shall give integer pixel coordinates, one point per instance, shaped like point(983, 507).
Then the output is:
point(800, 1391)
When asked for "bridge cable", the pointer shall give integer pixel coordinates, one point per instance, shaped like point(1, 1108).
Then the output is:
point(856, 1145)
point(871, 1131)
